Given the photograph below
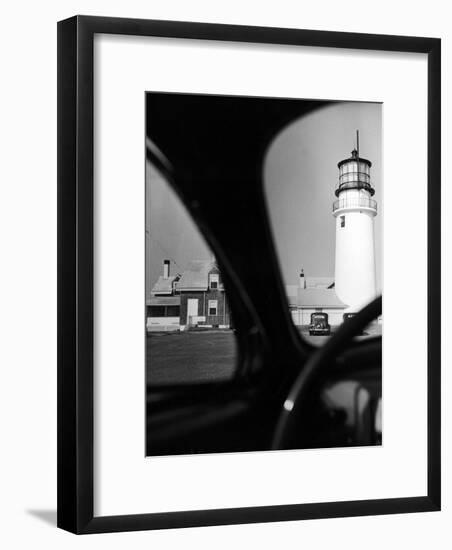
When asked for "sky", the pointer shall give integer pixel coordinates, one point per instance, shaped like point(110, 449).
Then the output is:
point(170, 232)
point(300, 175)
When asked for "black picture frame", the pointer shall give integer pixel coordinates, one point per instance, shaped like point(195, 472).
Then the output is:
point(75, 273)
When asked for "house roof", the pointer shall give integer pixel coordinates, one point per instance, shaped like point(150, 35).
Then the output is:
point(319, 282)
point(318, 297)
point(313, 297)
point(311, 283)
point(163, 301)
point(292, 292)
point(163, 285)
point(196, 276)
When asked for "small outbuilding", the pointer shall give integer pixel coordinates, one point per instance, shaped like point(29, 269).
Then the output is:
point(163, 313)
point(314, 295)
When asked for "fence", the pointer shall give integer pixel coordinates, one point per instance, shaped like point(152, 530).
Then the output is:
point(217, 320)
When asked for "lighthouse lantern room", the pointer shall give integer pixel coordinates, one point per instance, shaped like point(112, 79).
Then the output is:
point(354, 212)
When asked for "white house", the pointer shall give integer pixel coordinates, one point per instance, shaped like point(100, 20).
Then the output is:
point(312, 295)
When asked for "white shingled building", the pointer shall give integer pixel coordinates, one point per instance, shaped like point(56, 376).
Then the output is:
point(311, 295)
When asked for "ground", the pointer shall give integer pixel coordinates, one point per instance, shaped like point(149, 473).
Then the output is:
point(190, 356)
point(200, 356)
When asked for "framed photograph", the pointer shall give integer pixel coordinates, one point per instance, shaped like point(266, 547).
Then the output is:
point(249, 274)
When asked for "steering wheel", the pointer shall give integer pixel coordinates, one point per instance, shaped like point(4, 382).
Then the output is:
point(318, 364)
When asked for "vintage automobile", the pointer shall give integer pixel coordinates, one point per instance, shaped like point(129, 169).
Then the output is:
point(319, 325)
point(284, 392)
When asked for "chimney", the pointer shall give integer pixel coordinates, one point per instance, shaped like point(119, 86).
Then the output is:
point(166, 269)
point(302, 280)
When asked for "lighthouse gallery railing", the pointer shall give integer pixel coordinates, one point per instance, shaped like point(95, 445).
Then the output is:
point(349, 202)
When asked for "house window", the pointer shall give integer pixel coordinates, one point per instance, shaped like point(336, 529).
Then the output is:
point(213, 307)
point(214, 279)
point(342, 221)
point(172, 311)
point(157, 311)
point(163, 311)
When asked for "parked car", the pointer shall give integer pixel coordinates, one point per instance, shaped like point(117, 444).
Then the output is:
point(319, 325)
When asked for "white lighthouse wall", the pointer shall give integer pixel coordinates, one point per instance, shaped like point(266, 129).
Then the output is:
point(355, 275)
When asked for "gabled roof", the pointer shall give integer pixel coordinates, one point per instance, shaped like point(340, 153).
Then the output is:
point(316, 283)
point(319, 282)
point(163, 285)
point(312, 283)
point(292, 293)
point(319, 297)
point(196, 276)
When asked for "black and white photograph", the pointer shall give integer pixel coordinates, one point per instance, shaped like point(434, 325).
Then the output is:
point(225, 268)
point(216, 167)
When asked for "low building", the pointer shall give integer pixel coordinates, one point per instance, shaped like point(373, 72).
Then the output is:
point(314, 295)
point(195, 298)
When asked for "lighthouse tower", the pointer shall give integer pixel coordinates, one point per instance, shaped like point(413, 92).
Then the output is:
point(354, 210)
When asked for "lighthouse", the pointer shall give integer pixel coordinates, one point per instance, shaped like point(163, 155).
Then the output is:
point(354, 211)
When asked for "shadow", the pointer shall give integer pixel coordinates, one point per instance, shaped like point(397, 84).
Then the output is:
point(47, 516)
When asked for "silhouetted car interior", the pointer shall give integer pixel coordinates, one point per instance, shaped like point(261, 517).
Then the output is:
point(347, 316)
point(286, 393)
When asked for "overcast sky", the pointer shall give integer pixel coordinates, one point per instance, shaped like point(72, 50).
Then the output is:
point(300, 175)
